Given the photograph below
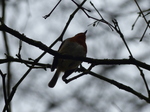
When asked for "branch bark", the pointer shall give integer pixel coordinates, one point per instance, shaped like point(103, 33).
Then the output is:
point(43, 47)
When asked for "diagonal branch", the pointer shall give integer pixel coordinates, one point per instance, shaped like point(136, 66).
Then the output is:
point(142, 13)
point(46, 16)
point(111, 81)
point(121, 86)
point(69, 20)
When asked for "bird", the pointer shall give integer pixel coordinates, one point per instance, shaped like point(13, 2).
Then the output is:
point(74, 46)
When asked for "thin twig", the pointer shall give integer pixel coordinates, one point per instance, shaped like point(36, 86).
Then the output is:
point(117, 28)
point(46, 16)
point(135, 21)
point(144, 33)
point(96, 10)
point(145, 82)
point(69, 20)
point(81, 69)
point(98, 20)
point(142, 13)
point(4, 89)
point(19, 51)
point(12, 59)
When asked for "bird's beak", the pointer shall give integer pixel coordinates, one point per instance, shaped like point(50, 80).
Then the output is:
point(85, 32)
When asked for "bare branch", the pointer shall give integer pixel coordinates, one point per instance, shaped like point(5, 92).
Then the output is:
point(121, 86)
point(142, 13)
point(111, 81)
point(144, 32)
point(46, 16)
point(4, 89)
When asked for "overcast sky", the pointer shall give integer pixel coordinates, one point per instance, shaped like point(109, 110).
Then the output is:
point(87, 93)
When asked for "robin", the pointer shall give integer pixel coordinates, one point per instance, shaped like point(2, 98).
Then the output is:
point(74, 46)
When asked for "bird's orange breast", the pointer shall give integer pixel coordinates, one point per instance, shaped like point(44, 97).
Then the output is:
point(80, 40)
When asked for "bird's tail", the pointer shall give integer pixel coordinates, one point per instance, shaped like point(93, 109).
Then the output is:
point(53, 81)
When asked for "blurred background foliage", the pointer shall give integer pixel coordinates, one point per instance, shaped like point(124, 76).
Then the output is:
point(87, 93)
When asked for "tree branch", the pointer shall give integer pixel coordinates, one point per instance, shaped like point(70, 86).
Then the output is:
point(111, 81)
point(4, 88)
point(43, 47)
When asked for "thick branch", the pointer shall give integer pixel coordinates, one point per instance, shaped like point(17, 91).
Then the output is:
point(43, 47)
point(22, 37)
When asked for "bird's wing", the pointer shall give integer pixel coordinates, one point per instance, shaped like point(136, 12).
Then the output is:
point(55, 61)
